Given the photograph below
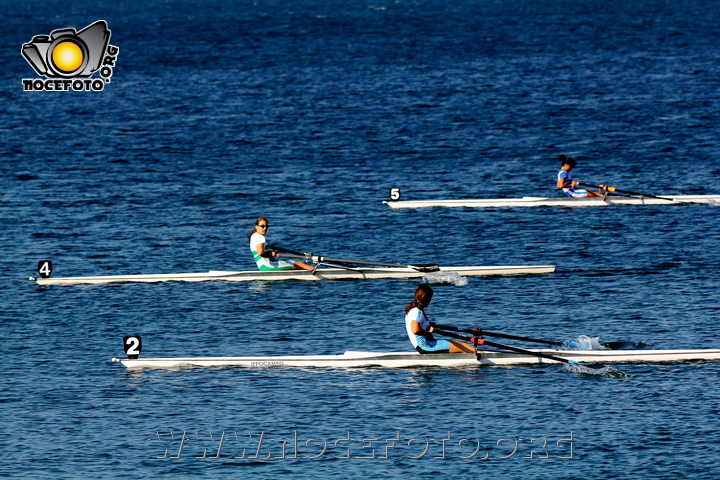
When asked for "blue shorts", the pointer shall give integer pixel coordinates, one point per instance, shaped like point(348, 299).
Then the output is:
point(575, 193)
point(431, 346)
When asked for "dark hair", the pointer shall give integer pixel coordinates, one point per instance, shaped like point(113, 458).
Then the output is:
point(259, 219)
point(423, 294)
point(563, 159)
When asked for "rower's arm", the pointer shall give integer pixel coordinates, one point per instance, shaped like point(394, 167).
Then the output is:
point(260, 248)
point(416, 329)
point(561, 183)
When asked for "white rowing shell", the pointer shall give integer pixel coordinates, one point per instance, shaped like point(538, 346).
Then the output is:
point(320, 274)
point(414, 359)
point(555, 202)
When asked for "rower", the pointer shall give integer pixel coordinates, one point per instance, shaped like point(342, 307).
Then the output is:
point(267, 260)
point(420, 331)
point(568, 185)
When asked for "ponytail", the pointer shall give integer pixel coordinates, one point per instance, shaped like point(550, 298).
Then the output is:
point(423, 295)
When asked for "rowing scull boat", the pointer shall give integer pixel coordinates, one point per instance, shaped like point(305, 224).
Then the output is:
point(414, 359)
point(556, 202)
point(319, 274)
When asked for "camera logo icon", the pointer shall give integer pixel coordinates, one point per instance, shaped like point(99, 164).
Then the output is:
point(68, 54)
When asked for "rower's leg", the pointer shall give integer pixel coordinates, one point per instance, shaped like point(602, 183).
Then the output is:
point(302, 266)
point(460, 347)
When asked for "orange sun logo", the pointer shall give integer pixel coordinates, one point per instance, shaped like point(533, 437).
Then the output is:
point(67, 56)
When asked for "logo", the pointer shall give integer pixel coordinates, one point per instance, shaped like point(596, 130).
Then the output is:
point(68, 59)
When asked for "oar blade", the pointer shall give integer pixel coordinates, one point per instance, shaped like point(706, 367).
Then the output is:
point(425, 267)
point(619, 345)
point(595, 366)
point(592, 366)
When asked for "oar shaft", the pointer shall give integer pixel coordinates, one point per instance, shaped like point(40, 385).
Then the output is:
point(481, 341)
point(526, 352)
point(522, 339)
point(320, 258)
point(284, 250)
point(480, 332)
point(613, 189)
point(309, 257)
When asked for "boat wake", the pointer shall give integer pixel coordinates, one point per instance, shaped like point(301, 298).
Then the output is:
point(453, 278)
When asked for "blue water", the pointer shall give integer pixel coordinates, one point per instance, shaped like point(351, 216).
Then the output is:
point(308, 113)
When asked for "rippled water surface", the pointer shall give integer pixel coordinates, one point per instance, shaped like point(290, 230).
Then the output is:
point(308, 113)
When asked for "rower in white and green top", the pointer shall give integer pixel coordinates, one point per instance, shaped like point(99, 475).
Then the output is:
point(267, 260)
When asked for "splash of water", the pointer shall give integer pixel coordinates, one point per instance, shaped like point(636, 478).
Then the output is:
point(604, 371)
point(583, 342)
point(453, 278)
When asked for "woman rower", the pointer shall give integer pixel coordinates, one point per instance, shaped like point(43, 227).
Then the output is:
point(569, 186)
point(268, 259)
point(420, 331)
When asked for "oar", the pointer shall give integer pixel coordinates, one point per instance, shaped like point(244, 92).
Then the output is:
point(481, 332)
point(309, 257)
point(613, 189)
point(285, 250)
point(482, 341)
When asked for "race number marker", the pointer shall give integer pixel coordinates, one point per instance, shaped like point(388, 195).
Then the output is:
point(45, 268)
point(133, 346)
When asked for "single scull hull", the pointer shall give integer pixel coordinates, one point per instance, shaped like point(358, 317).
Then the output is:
point(413, 359)
point(320, 274)
point(556, 202)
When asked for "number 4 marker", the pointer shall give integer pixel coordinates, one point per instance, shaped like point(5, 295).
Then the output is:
point(45, 268)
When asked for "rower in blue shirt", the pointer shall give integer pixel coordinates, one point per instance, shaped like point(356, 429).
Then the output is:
point(568, 185)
